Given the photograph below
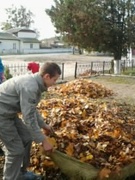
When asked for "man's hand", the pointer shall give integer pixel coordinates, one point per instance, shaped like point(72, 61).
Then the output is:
point(47, 146)
point(48, 130)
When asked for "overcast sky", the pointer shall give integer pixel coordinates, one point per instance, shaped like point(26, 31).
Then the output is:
point(37, 7)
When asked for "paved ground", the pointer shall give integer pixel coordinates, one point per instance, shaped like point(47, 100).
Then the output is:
point(67, 58)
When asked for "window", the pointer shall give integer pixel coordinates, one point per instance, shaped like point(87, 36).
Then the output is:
point(14, 45)
point(31, 46)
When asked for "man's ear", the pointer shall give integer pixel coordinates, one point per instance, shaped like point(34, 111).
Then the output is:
point(46, 76)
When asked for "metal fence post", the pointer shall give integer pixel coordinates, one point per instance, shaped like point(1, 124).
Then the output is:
point(62, 71)
point(103, 67)
point(132, 64)
point(124, 66)
point(91, 67)
point(75, 76)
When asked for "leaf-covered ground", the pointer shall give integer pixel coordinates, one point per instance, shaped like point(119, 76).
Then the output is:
point(122, 86)
point(83, 125)
point(77, 108)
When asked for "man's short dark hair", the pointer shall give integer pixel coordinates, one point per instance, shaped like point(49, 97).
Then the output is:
point(50, 68)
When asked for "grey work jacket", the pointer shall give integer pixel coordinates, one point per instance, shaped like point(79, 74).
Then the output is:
point(22, 94)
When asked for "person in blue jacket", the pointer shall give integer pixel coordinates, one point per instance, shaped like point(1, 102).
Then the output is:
point(1, 80)
point(1, 71)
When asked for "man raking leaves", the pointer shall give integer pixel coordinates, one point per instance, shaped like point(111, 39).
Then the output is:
point(21, 95)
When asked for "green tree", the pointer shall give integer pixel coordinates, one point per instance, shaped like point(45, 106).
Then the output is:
point(100, 25)
point(17, 17)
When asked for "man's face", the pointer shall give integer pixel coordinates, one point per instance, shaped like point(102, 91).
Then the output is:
point(50, 81)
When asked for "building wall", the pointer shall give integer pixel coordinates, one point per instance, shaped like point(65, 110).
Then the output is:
point(30, 46)
point(27, 35)
point(9, 46)
point(48, 51)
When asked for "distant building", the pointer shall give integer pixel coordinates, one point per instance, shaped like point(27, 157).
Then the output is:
point(53, 42)
point(9, 43)
point(24, 41)
point(18, 40)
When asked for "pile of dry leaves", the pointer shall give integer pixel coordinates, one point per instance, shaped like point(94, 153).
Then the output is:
point(88, 126)
point(79, 87)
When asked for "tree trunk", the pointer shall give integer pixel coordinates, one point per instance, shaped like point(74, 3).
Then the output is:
point(129, 54)
point(117, 61)
point(117, 66)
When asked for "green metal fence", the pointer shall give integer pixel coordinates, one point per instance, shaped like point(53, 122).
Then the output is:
point(98, 67)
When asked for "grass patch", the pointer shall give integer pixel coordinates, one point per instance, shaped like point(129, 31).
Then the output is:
point(129, 71)
point(116, 79)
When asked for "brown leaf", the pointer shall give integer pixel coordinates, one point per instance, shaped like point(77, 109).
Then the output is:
point(104, 173)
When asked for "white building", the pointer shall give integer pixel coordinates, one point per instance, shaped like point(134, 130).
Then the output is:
point(19, 40)
point(9, 44)
point(24, 41)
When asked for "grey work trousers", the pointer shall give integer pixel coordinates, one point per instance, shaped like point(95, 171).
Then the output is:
point(17, 144)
